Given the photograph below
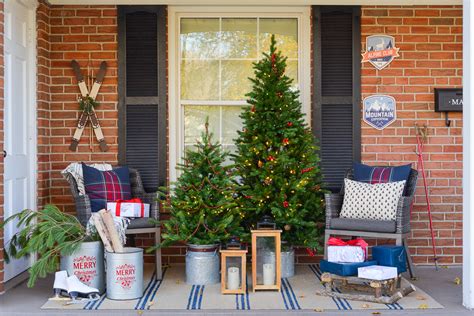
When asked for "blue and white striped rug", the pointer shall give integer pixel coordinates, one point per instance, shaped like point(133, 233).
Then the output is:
point(297, 293)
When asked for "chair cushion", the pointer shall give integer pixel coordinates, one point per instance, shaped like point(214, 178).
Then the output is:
point(372, 175)
point(371, 201)
point(143, 222)
point(366, 225)
point(106, 186)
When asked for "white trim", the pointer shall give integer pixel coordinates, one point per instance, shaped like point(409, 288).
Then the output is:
point(260, 2)
point(302, 13)
point(468, 155)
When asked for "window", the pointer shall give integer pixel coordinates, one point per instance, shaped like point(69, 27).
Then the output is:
point(211, 56)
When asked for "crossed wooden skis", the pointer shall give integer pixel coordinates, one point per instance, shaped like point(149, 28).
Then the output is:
point(86, 115)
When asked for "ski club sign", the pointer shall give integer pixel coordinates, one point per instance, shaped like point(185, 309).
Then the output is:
point(381, 51)
point(379, 111)
point(85, 268)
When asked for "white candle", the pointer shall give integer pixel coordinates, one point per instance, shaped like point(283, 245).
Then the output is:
point(233, 278)
point(268, 274)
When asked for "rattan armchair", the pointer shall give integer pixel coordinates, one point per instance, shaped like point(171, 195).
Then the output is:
point(136, 226)
point(398, 229)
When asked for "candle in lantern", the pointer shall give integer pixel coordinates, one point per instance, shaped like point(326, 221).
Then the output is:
point(268, 274)
point(233, 278)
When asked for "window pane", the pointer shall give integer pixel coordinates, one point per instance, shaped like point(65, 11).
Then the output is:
point(194, 120)
point(199, 38)
point(239, 38)
point(286, 35)
point(235, 79)
point(231, 123)
point(199, 80)
point(292, 71)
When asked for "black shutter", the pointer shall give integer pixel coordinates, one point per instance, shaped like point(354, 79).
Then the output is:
point(336, 104)
point(142, 92)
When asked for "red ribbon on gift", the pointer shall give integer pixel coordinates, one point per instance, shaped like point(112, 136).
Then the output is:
point(354, 242)
point(134, 200)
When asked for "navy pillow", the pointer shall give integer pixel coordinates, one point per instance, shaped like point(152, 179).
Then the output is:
point(372, 175)
point(106, 186)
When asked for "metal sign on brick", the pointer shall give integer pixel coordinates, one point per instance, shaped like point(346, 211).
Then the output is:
point(380, 51)
point(379, 111)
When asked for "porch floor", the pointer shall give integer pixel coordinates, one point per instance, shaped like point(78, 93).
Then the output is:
point(439, 284)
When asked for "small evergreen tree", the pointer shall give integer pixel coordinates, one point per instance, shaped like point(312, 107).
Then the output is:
point(202, 207)
point(277, 156)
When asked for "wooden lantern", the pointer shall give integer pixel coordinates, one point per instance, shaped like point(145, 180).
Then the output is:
point(229, 280)
point(270, 271)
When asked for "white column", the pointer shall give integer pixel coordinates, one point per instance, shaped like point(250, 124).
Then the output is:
point(468, 151)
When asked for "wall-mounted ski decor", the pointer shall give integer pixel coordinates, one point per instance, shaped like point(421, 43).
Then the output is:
point(380, 50)
point(379, 111)
point(87, 104)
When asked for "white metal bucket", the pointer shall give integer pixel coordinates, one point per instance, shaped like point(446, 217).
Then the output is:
point(87, 263)
point(125, 274)
point(202, 265)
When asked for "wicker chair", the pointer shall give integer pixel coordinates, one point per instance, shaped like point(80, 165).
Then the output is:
point(138, 225)
point(398, 229)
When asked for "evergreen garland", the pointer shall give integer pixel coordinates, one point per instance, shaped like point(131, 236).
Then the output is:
point(49, 233)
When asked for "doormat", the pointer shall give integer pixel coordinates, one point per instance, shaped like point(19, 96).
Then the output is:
point(297, 293)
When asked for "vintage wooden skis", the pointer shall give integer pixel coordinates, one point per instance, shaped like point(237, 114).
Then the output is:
point(87, 115)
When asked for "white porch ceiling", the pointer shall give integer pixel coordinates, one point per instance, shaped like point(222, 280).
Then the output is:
point(259, 2)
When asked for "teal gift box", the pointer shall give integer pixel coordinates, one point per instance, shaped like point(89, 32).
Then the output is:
point(344, 269)
point(390, 256)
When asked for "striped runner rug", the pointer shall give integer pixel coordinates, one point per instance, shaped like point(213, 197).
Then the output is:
point(297, 293)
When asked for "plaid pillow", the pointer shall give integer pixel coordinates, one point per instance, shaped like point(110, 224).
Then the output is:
point(373, 175)
point(106, 186)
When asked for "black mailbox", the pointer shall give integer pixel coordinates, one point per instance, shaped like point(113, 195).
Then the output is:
point(448, 100)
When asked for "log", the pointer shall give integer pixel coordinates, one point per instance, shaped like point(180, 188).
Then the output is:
point(112, 231)
point(103, 233)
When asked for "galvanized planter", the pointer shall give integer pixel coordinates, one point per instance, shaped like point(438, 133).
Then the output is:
point(202, 264)
point(87, 263)
point(125, 274)
point(287, 261)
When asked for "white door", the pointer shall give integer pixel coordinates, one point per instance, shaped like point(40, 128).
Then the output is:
point(19, 147)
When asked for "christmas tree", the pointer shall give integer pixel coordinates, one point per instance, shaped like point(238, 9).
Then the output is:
point(277, 157)
point(202, 206)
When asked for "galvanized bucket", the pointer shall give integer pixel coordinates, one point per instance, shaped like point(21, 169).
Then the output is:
point(202, 264)
point(287, 262)
point(87, 263)
point(125, 274)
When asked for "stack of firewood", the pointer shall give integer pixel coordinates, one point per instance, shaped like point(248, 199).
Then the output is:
point(104, 223)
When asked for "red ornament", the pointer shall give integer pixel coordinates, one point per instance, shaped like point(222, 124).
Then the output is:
point(253, 108)
point(289, 124)
point(248, 196)
point(273, 58)
point(271, 158)
point(286, 204)
point(307, 169)
point(310, 252)
point(286, 141)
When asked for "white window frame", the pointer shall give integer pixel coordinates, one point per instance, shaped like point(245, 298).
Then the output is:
point(175, 13)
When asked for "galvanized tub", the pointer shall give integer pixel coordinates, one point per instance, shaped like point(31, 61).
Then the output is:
point(87, 263)
point(202, 264)
point(287, 262)
point(125, 274)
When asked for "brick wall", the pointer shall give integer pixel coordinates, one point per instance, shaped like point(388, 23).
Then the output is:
point(88, 35)
point(430, 42)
